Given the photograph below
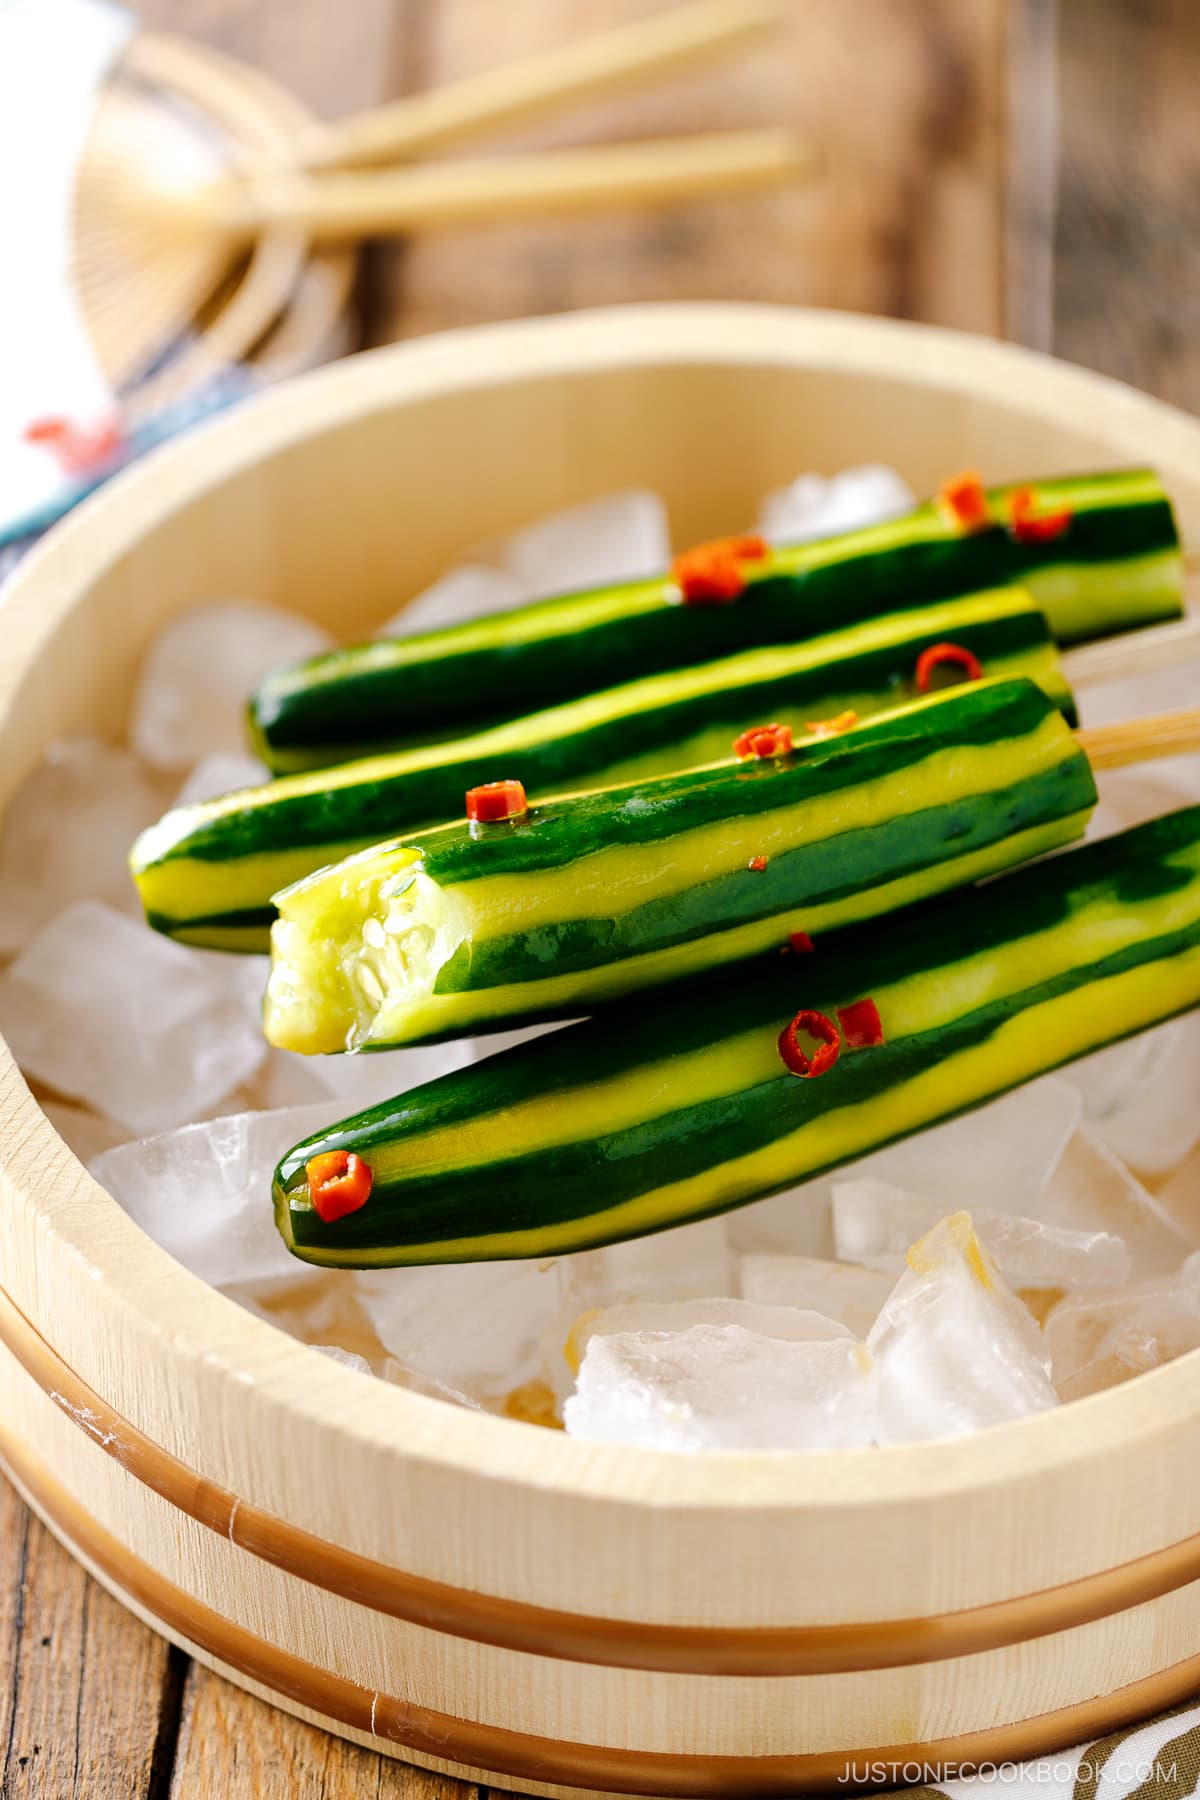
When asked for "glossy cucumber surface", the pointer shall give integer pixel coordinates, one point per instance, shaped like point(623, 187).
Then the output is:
point(596, 895)
point(676, 1108)
point(208, 872)
point(1117, 566)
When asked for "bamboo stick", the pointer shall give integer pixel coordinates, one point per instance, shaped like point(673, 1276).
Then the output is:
point(1142, 740)
point(337, 207)
point(611, 63)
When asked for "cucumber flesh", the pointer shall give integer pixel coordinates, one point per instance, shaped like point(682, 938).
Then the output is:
point(207, 872)
point(661, 1113)
point(1116, 567)
point(597, 895)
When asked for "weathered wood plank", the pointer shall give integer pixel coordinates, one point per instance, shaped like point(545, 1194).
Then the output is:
point(905, 217)
point(87, 1693)
point(336, 59)
point(1127, 266)
point(232, 1745)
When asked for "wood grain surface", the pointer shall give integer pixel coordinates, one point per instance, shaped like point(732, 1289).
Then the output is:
point(991, 166)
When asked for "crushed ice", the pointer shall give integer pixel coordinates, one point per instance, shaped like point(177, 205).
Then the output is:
point(1040, 1249)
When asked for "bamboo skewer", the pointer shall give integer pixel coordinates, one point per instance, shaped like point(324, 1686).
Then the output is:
point(155, 244)
point(341, 207)
point(1141, 740)
point(613, 62)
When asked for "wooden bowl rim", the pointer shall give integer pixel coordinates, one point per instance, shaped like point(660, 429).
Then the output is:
point(81, 1219)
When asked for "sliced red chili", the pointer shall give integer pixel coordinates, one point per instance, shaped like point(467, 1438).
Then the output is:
point(861, 1025)
point(964, 497)
point(815, 1025)
point(1031, 526)
point(823, 728)
point(763, 741)
point(496, 800)
point(946, 656)
point(800, 942)
point(339, 1182)
point(758, 863)
point(712, 574)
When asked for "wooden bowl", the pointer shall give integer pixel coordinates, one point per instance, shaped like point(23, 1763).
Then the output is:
point(472, 1593)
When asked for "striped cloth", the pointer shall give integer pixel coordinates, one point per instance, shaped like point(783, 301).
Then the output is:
point(1159, 1760)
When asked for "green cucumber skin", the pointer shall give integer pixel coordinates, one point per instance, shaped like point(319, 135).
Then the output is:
point(564, 1184)
point(332, 813)
point(408, 690)
point(805, 875)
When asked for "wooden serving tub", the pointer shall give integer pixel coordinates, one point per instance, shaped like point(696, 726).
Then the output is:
point(473, 1593)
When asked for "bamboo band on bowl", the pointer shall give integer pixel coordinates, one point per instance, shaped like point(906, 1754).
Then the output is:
point(499, 1751)
point(575, 1637)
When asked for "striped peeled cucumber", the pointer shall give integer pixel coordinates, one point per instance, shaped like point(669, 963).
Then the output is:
point(1099, 552)
point(680, 1106)
point(585, 898)
point(207, 872)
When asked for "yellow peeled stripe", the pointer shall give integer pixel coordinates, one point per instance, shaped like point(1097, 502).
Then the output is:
point(584, 889)
point(924, 1001)
point(1036, 1039)
point(463, 1012)
point(1096, 594)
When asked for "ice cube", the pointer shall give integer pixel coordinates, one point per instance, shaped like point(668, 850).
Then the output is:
point(402, 1375)
point(1092, 1190)
point(318, 1306)
point(954, 1349)
point(349, 1359)
point(814, 507)
point(1142, 1097)
point(1099, 1340)
point(1179, 1200)
point(67, 834)
point(687, 1263)
point(798, 1222)
point(619, 537)
point(674, 1316)
point(471, 592)
point(102, 1010)
point(225, 772)
point(874, 1223)
point(204, 1194)
point(843, 1291)
point(1003, 1153)
point(473, 1327)
point(722, 1387)
point(199, 671)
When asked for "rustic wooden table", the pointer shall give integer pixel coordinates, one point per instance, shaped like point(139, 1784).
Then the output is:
point(1002, 167)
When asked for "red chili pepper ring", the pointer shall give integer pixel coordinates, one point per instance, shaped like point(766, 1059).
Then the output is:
point(763, 741)
point(496, 800)
point(827, 1035)
point(946, 656)
point(862, 1028)
point(339, 1182)
point(1029, 525)
point(715, 573)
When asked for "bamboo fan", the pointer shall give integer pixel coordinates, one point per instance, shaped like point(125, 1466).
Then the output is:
point(194, 206)
point(177, 108)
